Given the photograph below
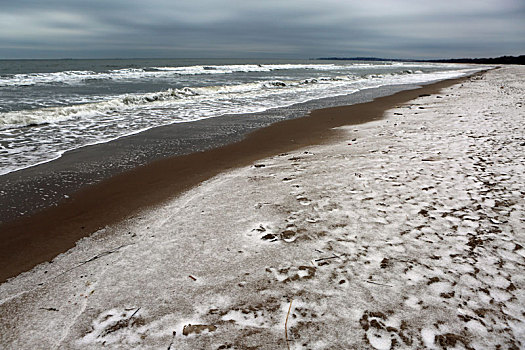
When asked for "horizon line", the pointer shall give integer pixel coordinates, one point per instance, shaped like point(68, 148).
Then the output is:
point(258, 58)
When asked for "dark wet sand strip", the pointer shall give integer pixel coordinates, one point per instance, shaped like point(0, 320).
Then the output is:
point(28, 241)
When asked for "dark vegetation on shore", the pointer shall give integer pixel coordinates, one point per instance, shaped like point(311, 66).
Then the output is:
point(496, 60)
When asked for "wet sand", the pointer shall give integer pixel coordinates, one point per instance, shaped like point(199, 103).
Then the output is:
point(31, 240)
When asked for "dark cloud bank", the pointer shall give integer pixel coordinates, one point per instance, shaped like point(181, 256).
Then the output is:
point(277, 29)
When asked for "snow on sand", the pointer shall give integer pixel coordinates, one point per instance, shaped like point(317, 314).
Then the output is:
point(407, 234)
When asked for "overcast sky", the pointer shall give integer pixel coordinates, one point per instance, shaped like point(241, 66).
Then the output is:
point(261, 28)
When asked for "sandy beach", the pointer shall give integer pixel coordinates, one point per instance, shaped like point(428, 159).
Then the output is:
point(30, 239)
point(402, 231)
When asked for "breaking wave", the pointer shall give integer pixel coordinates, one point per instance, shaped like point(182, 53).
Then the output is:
point(33, 136)
point(151, 100)
point(79, 77)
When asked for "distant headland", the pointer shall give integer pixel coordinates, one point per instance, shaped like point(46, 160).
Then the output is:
point(496, 60)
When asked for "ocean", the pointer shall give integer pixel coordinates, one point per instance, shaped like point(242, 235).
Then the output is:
point(49, 107)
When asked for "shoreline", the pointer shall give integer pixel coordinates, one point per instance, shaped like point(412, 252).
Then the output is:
point(40, 237)
point(406, 231)
point(27, 191)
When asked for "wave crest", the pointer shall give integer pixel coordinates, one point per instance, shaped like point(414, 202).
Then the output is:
point(79, 77)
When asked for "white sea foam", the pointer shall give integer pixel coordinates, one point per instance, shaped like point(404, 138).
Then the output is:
point(77, 77)
point(157, 99)
point(225, 69)
point(254, 90)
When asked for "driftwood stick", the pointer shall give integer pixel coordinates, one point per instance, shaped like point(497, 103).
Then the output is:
point(100, 255)
point(172, 340)
point(379, 284)
point(133, 314)
point(330, 257)
point(286, 325)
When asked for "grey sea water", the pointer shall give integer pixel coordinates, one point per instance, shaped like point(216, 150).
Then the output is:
point(48, 107)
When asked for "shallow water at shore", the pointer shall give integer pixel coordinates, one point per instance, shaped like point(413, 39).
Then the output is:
point(50, 107)
point(35, 188)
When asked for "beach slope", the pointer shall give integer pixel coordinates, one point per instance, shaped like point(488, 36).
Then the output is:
point(405, 232)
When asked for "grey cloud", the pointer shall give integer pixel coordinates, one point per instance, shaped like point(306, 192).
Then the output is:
point(292, 28)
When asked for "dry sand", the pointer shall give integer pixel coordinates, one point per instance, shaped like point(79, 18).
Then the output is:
point(402, 233)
